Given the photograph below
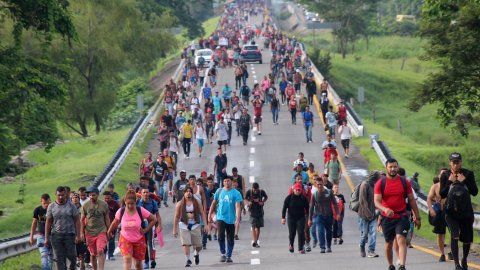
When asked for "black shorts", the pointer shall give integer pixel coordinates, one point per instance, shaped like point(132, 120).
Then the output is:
point(297, 86)
point(461, 228)
point(81, 248)
point(220, 143)
point(393, 226)
point(346, 143)
point(441, 225)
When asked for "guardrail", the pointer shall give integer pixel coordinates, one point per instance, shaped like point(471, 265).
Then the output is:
point(20, 244)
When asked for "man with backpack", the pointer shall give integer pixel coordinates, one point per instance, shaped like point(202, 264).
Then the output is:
point(220, 166)
point(308, 123)
point(323, 207)
point(245, 92)
point(457, 185)
point(367, 216)
point(256, 198)
point(152, 207)
point(390, 194)
point(245, 123)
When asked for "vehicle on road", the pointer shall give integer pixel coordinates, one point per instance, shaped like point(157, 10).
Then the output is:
point(311, 16)
point(207, 54)
point(251, 53)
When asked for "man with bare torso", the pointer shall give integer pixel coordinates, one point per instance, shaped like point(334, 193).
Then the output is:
point(324, 87)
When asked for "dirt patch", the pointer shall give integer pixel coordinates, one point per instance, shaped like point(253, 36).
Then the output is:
point(159, 80)
point(85, 178)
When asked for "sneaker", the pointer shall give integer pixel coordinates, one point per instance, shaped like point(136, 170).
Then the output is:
point(209, 237)
point(402, 267)
point(259, 133)
point(204, 247)
point(236, 237)
point(184, 156)
point(111, 258)
point(410, 245)
point(346, 156)
point(197, 259)
point(362, 252)
point(442, 258)
point(254, 245)
point(229, 260)
point(223, 258)
point(340, 241)
point(391, 267)
point(335, 241)
point(215, 238)
point(257, 246)
point(450, 256)
point(322, 250)
point(308, 141)
point(398, 262)
point(153, 263)
point(372, 254)
point(188, 157)
point(301, 251)
point(291, 249)
point(314, 244)
point(146, 266)
point(189, 263)
point(308, 248)
point(165, 203)
point(329, 250)
point(458, 267)
point(464, 264)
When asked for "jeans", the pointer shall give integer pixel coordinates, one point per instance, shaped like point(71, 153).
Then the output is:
point(293, 112)
point(338, 228)
point(324, 225)
point(64, 248)
point(275, 114)
point(229, 131)
point(149, 252)
point(310, 98)
point(313, 230)
point(229, 229)
point(308, 132)
point(238, 81)
point(204, 236)
point(110, 248)
point(269, 99)
point(238, 128)
point(162, 191)
point(367, 228)
point(244, 80)
point(284, 97)
point(186, 146)
point(296, 226)
point(45, 252)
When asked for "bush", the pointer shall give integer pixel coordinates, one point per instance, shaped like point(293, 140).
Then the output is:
point(389, 54)
point(322, 60)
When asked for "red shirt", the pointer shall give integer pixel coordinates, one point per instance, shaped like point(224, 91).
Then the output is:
point(393, 195)
point(293, 103)
point(304, 192)
point(289, 92)
point(257, 108)
point(327, 154)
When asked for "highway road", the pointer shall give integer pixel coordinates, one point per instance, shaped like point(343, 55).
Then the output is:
point(268, 159)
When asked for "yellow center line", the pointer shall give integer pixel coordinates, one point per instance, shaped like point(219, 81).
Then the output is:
point(438, 255)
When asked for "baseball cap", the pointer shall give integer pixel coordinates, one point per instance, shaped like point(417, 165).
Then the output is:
point(76, 194)
point(111, 185)
point(298, 70)
point(324, 174)
point(203, 173)
point(161, 155)
point(455, 157)
point(297, 186)
point(324, 94)
point(93, 190)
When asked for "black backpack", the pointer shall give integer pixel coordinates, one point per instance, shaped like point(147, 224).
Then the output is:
point(139, 212)
point(245, 90)
point(459, 203)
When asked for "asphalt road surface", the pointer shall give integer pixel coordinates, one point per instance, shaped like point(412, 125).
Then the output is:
point(268, 160)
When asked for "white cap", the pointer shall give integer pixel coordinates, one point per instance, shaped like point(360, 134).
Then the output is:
point(324, 94)
point(298, 70)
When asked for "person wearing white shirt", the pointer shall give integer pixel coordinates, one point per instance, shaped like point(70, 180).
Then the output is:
point(329, 141)
point(345, 135)
point(192, 48)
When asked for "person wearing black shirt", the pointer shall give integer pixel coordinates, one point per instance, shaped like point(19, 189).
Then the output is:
point(168, 119)
point(220, 167)
point(160, 170)
point(256, 198)
point(311, 89)
point(297, 206)
point(460, 229)
point(39, 220)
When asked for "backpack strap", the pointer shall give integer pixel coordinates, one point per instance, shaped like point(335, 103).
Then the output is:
point(139, 212)
point(121, 213)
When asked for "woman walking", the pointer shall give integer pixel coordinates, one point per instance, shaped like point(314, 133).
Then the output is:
point(132, 236)
point(275, 108)
point(292, 107)
point(297, 206)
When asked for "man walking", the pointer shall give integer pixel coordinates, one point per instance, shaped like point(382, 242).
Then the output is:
point(345, 135)
point(256, 198)
point(440, 225)
point(220, 166)
point(334, 170)
point(331, 121)
point(455, 185)
point(113, 207)
point(367, 217)
point(390, 194)
point(152, 207)
point(95, 223)
point(245, 123)
point(187, 217)
point(257, 108)
point(63, 222)
point(221, 133)
point(39, 220)
point(324, 105)
point(308, 124)
point(311, 89)
point(228, 216)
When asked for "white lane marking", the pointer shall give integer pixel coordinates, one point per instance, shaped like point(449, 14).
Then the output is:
point(252, 163)
point(255, 81)
point(253, 71)
point(252, 67)
point(254, 261)
point(255, 252)
point(251, 64)
point(252, 150)
point(254, 76)
point(254, 138)
point(252, 180)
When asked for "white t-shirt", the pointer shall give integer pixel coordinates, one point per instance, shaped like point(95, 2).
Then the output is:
point(345, 132)
point(190, 218)
point(199, 132)
point(173, 145)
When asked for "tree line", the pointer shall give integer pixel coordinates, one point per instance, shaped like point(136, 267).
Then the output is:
point(63, 62)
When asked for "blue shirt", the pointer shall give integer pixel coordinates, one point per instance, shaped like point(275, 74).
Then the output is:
point(217, 101)
point(308, 116)
point(283, 85)
point(151, 206)
point(226, 210)
point(207, 92)
point(305, 176)
point(180, 121)
point(225, 90)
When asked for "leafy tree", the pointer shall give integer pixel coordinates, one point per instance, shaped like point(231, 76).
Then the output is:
point(451, 30)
